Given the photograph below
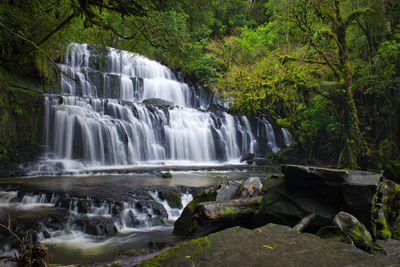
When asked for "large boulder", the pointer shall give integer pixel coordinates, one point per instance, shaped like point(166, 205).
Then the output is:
point(287, 205)
point(350, 191)
point(271, 245)
point(186, 224)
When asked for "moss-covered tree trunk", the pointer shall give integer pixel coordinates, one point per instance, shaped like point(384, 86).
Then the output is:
point(355, 144)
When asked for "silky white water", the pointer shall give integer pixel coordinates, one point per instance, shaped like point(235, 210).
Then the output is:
point(99, 119)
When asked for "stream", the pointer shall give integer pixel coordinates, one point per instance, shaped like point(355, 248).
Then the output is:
point(99, 218)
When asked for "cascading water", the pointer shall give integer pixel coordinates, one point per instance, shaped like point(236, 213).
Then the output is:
point(123, 109)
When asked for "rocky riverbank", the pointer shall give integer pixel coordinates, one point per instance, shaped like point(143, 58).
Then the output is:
point(360, 209)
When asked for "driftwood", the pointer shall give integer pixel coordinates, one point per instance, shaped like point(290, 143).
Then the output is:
point(221, 210)
point(304, 223)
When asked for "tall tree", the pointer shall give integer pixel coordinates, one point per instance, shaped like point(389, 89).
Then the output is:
point(325, 28)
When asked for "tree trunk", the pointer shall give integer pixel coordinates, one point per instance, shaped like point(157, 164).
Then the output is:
point(355, 144)
point(386, 18)
point(226, 210)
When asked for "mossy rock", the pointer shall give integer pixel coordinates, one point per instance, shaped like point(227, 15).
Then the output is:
point(166, 175)
point(263, 246)
point(386, 211)
point(333, 233)
point(186, 225)
point(173, 198)
point(354, 229)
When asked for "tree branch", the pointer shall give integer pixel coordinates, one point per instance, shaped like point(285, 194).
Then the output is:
point(306, 60)
point(355, 13)
point(62, 24)
point(38, 48)
point(110, 28)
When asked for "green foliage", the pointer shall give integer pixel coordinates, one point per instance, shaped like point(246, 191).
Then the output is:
point(262, 56)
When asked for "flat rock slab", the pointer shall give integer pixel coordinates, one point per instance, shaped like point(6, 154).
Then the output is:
point(333, 177)
point(270, 245)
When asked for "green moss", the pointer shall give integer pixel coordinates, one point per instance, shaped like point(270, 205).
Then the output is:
point(173, 198)
point(386, 211)
point(186, 225)
point(359, 234)
point(333, 233)
point(228, 210)
point(20, 120)
point(193, 250)
point(167, 175)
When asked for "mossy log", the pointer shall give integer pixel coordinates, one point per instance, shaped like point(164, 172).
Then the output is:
point(225, 210)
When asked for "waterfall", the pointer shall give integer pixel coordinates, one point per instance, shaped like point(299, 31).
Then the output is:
point(287, 137)
point(266, 131)
point(122, 109)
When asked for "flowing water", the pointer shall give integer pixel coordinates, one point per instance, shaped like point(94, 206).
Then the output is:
point(118, 111)
point(122, 109)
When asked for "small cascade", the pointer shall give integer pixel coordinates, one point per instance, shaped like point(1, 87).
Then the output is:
point(87, 219)
point(287, 137)
point(265, 129)
point(10, 199)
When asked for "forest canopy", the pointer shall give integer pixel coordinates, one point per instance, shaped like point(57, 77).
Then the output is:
point(328, 70)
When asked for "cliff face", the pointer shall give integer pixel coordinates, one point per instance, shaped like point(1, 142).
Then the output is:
point(21, 119)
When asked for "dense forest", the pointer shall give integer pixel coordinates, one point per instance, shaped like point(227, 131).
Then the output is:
point(328, 70)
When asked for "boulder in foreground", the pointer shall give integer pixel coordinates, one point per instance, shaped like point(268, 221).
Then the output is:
point(270, 245)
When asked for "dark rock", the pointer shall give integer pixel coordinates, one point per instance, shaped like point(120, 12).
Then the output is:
point(251, 187)
point(269, 245)
point(247, 156)
point(173, 197)
point(101, 226)
point(350, 191)
point(130, 219)
point(258, 161)
point(186, 225)
point(333, 233)
point(287, 205)
point(354, 229)
point(158, 102)
point(228, 189)
point(154, 211)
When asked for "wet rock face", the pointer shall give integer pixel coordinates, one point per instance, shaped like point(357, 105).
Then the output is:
point(101, 226)
point(333, 190)
point(173, 197)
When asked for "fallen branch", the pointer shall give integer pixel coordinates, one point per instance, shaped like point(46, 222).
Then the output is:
point(219, 210)
point(8, 228)
point(304, 223)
